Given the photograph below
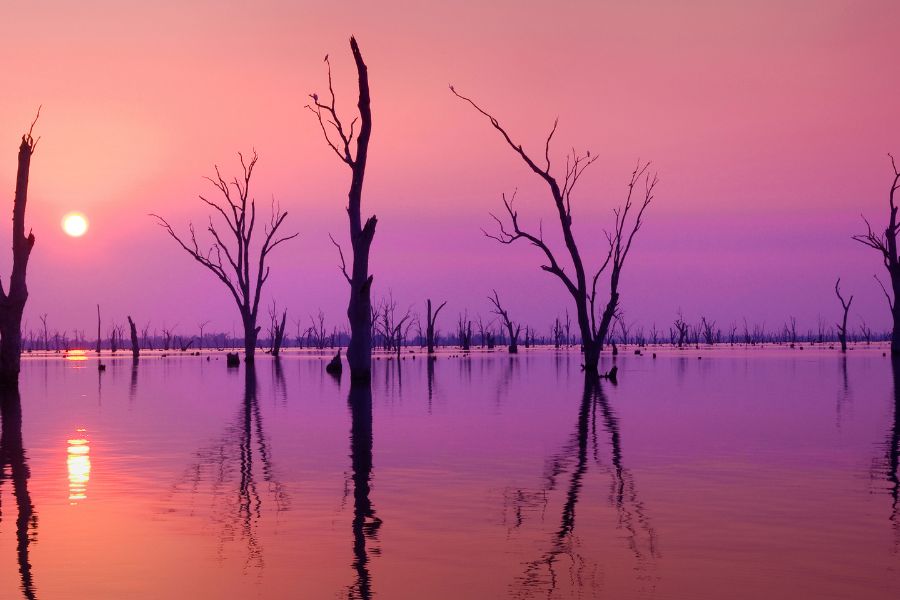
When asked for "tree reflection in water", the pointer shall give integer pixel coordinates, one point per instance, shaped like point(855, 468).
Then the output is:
point(365, 524)
point(541, 576)
point(890, 461)
point(14, 466)
point(230, 468)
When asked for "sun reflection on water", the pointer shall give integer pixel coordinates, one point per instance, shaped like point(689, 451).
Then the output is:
point(76, 355)
point(79, 466)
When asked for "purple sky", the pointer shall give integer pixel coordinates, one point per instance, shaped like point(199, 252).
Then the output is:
point(768, 124)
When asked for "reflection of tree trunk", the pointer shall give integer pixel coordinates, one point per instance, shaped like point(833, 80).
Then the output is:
point(365, 523)
point(132, 387)
point(624, 497)
point(429, 368)
point(233, 464)
point(12, 453)
point(892, 449)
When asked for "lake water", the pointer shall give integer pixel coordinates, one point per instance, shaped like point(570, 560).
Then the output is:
point(749, 473)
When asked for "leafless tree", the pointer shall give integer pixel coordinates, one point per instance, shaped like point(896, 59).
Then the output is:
point(886, 244)
point(146, 340)
point(624, 328)
point(46, 334)
point(842, 326)
point(708, 329)
point(790, 331)
point(464, 332)
point(12, 301)
point(593, 320)
point(865, 331)
point(681, 327)
point(99, 337)
point(511, 327)
point(431, 319)
point(167, 336)
point(116, 333)
point(484, 332)
point(359, 308)
point(201, 326)
point(135, 346)
point(316, 335)
point(231, 261)
point(276, 329)
point(557, 333)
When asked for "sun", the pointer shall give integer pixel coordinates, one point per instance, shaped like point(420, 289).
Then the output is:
point(75, 224)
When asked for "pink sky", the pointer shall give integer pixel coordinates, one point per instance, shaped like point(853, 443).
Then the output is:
point(769, 126)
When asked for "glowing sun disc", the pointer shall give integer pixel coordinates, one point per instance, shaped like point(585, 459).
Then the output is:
point(75, 224)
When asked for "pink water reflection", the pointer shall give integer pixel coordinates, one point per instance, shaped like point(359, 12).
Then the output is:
point(741, 474)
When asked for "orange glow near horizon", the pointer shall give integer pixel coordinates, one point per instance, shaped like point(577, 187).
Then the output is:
point(76, 355)
point(78, 465)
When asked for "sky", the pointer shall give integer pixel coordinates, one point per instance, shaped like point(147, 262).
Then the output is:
point(769, 125)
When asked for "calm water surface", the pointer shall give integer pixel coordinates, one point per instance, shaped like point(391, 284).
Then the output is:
point(747, 474)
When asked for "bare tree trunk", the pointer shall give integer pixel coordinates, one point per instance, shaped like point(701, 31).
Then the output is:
point(429, 331)
point(842, 326)
point(12, 303)
point(278, 337)
point(511, 327)
point(135, 346)
point(359, 308)
point(251, 332)
point(99, 342)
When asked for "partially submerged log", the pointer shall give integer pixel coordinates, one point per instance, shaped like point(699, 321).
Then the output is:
point(611, 374)
point(334, 367)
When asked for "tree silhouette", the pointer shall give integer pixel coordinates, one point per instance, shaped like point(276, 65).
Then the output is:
point(845, 305)
point(886, 244)
point(14, 466)
point(359, 309)
point(593, 320)
point(432, 318)
point(12, 301)
point(511, 327)
point(231, 260)
point(366, 524)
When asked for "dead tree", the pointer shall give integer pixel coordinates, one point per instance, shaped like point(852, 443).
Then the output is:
point(709, 330)
point(790, 331)
point(429, 330)
point(842, 326)
point(593, 320)
point(556, 332)
point(201, 326)
point(12, 301)
point(886, 244)
point(43, 318)
point(359, 308)
point(135, 346)
point(865, 331)
point(511, 327)
point(235, 268)
point(401, 330)
point(464, 332)
point(484, 331)
point(99, 337)
point(681, 327)
point(276, 329)
point(167, 336)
